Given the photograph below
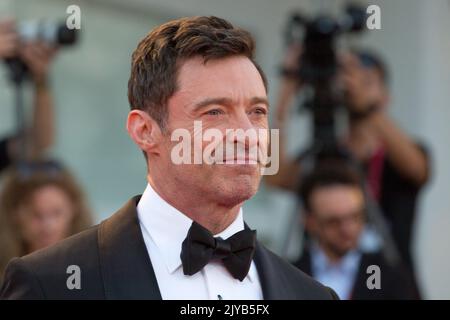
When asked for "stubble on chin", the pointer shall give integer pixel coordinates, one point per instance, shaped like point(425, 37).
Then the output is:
point(234, 190)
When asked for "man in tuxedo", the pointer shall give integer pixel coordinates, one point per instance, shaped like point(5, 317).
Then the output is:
point(334, 218)
point(185, 237)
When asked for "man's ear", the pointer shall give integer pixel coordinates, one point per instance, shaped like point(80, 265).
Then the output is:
point(310, 222)
point(143, 130)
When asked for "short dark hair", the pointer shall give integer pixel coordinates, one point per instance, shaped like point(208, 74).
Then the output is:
point(158, 56)
point(328, 174)
point(370, 59)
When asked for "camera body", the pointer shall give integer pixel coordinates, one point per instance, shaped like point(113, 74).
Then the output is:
point(318, 68)
point(49, 32)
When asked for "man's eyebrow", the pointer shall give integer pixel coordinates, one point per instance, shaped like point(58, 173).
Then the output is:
point(258, 100)
point(208, 101)
point(227, 102)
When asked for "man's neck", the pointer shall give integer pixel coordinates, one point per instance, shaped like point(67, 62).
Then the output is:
point(212, 216)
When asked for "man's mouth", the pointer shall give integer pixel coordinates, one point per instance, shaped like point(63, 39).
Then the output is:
point(241, 160)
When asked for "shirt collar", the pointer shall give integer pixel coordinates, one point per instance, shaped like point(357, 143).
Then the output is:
point(168, 227)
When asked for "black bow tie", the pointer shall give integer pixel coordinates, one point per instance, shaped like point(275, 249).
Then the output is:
point(200, 247)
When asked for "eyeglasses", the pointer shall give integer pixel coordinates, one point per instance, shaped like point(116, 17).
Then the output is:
point(334, 222)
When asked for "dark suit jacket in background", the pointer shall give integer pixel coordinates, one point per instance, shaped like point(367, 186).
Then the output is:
point(396, 282)
point(115, 264)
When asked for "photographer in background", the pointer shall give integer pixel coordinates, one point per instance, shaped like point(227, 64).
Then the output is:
point(38, 57)
point(396, 167)
point(41, 201)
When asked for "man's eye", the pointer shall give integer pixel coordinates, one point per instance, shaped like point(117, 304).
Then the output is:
point(260, 111)
point(214, 112)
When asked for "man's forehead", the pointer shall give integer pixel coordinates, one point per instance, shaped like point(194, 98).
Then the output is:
point(337, 198)
point(218, 75)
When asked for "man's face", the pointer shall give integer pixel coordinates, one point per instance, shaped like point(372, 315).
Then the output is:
point(337, 217)
point(364, 86)
point(46, 217)
point(223, 94)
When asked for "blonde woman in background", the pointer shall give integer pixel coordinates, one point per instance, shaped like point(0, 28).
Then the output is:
point(40, 204)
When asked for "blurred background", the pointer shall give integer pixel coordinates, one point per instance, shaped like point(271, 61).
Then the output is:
point(89, 87)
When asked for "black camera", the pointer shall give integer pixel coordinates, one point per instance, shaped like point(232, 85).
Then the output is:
point(318, 68)
point(53, 33)
point(50, 32)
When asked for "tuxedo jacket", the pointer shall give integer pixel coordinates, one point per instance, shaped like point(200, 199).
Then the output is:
point(115, 264)
point(396, 282)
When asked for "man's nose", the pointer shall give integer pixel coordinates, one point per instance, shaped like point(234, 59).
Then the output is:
point(49, 223)
point(243, 131)
point(347, 227)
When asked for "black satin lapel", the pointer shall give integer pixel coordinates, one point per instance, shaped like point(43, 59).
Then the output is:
point(360, 290)
point(125, 264)
point(271, 284)
point(304, 263)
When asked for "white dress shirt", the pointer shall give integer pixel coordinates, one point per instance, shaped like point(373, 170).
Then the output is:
point(164, 229)
point(339, 276)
